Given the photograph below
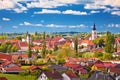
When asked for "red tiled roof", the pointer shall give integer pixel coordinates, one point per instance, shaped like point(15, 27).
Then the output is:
point(1, 40)
point(72, 66)
point(82, 70)
point(33, 67)
point(5, 56)
point(115, 70)
point(23, 44)
point(14, 41)
point(23, 55)
point(88, 42)
point(109, 64)
point(37, 47)
point(6, 63)
point(117, 39)
point(56, 38)
point(71, 74)
point(14, 68)
point(53, 74)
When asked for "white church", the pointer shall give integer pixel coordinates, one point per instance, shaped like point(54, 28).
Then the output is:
point(94, 33)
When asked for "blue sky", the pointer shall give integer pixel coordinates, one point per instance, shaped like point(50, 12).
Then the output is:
point(59, 15)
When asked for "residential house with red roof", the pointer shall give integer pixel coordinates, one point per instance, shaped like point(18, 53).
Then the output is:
point(54, 75)
point(5, 56)
point(69, 75)
point(23, 46)
point(34, 68)
point(99, 65)
point(10, 67)
point(76, 68)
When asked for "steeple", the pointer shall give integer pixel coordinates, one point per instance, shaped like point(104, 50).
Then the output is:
point(94, 28)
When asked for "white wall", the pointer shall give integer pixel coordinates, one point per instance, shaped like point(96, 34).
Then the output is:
point(65, 77)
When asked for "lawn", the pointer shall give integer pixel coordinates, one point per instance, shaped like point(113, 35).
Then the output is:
point(25, 67)
point(17, 77)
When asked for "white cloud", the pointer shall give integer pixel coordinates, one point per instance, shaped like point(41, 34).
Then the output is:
point(93, 12)
point(15, 27)
point(116, 13)
point(12, 5)
point(66, 26)
point(7, 4)
point(78, 26)
point(48, 11)
point(55, 26)
point(113, 25)
point(5, 19)
point(30, 24)
point(50, 3)
point(94, 6)
point(73, 12)
point(111, 9)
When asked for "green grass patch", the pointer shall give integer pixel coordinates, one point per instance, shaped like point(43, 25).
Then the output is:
point(84, 75)
point(18, 77)
point(24, 67)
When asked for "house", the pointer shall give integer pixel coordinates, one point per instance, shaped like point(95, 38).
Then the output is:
point(117, 40)
point(69, 75)
point(98, 75)
point(116, 54)
point(98, 65)
point(10, 67)
point(5, 56)
point(58, 67)
point(48, 75)
point(37, 42)
point(23, 46)
point(34, 68)
point(81, 70)
point(76, 68)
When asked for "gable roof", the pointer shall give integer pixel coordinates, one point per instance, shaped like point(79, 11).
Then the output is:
point(53, 74)
point(115, 70)
point(70, 74)
point(5, 56)
point(6, 63)
point(23, 44)
point(14, 69)
point(57, 67)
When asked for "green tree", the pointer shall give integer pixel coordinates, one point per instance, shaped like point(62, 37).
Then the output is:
point(76, 44)
point(55, 48)
point(109, 45)
point(107, 56)
point(65, 52)
point(36, 33)
point(43, 49)
point(29, 52)
point(98, 54)
point(44, 35)
point(99, 41)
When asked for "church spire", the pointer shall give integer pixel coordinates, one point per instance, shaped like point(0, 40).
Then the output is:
point(94, 28)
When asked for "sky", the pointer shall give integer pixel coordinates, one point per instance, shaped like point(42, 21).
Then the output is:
point(59, 15)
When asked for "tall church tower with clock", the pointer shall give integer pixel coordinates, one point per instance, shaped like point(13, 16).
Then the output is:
point(94, 33)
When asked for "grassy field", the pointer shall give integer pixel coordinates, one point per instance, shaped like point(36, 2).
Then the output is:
point(17, 77)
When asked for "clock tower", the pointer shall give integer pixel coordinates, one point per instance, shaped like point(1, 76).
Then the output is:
point(94, 33)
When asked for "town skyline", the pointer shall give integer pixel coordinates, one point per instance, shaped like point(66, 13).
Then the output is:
point(59, 16)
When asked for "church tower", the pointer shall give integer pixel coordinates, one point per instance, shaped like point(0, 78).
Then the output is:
point(94, 33)
point(28, 39)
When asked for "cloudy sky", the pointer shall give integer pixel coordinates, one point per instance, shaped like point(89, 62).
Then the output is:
point(59, 15)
